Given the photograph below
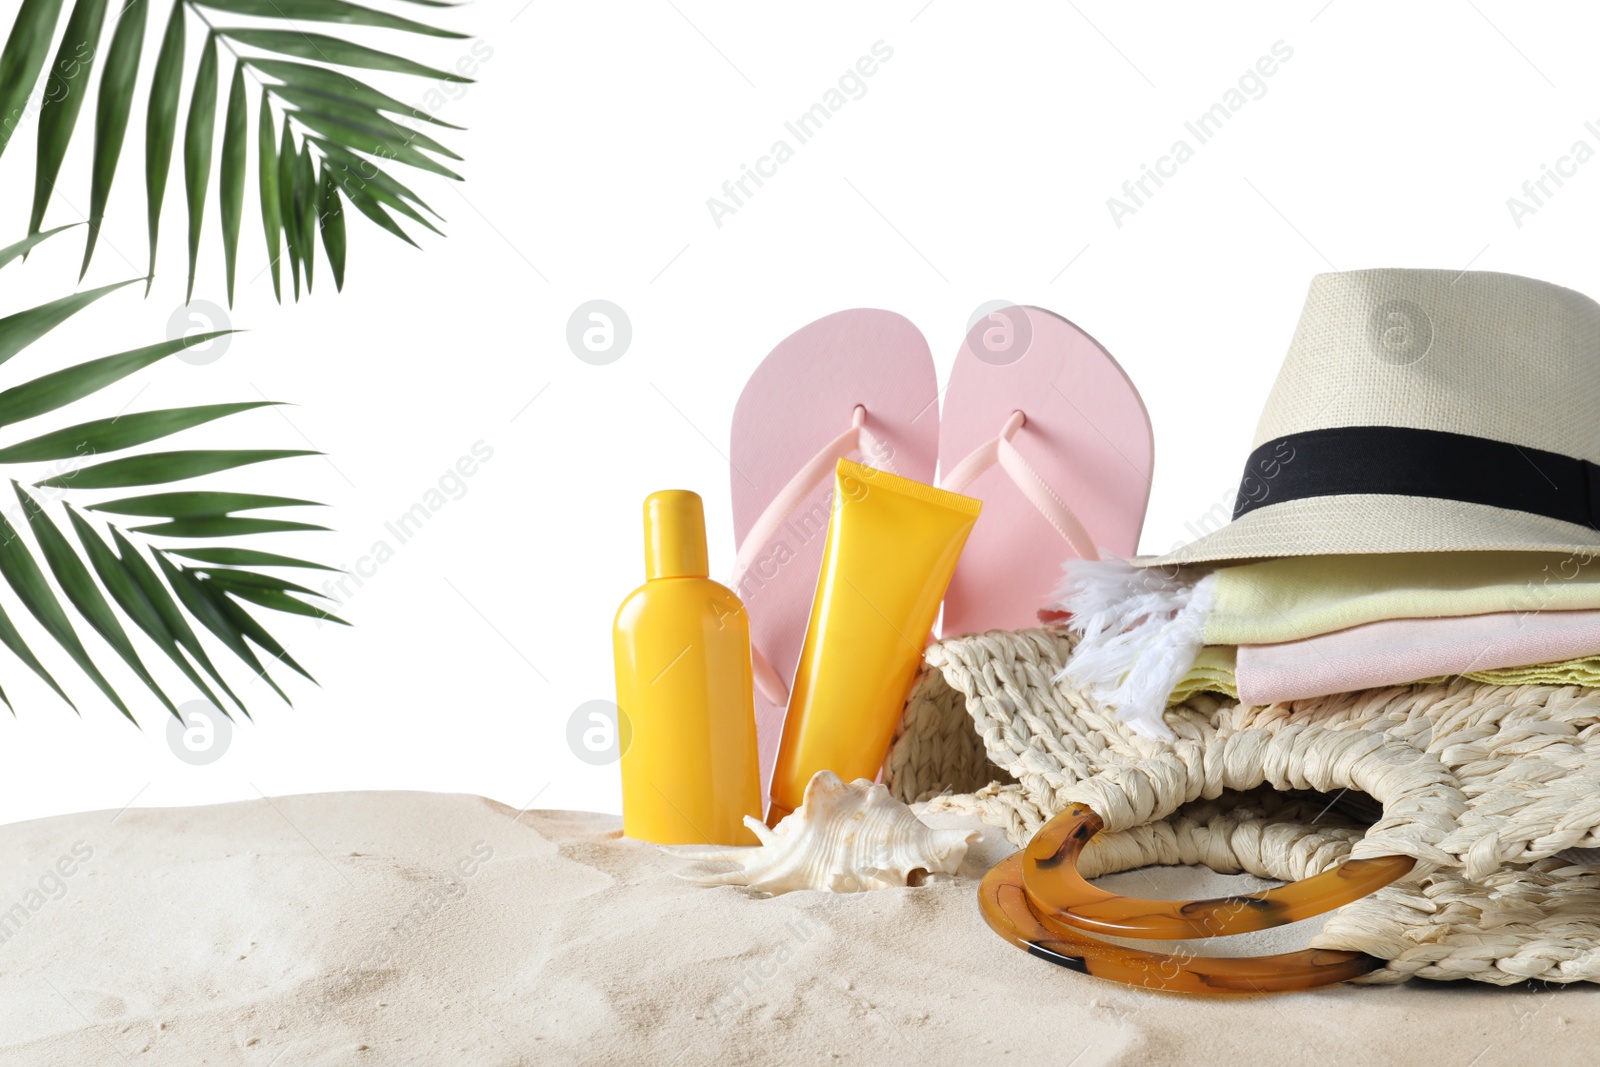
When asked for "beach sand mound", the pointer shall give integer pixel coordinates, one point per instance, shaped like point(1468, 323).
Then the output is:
point(452, 931)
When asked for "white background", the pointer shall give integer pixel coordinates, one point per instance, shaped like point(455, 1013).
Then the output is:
point(976, 166)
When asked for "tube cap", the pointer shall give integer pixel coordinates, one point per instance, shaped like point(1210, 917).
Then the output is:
point(675, 535)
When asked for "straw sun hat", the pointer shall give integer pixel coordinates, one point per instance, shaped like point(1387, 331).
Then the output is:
point(1425, 411)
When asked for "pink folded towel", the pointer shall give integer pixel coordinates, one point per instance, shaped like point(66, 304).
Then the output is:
point(1397, 651)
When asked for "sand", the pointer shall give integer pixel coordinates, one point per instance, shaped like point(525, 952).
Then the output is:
point(413, 928)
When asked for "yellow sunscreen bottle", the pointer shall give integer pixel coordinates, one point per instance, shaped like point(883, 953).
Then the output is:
point(891, 550)
point(690, 773)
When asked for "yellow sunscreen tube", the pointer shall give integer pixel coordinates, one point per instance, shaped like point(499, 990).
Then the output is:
point(892, 546)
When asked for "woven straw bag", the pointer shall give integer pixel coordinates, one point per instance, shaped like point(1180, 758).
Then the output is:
point(1488, 787)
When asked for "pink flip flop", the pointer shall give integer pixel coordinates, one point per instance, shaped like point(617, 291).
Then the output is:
point(1044, 427)
point(857, 383)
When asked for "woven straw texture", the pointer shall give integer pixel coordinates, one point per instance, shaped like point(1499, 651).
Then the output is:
point(1484, 785)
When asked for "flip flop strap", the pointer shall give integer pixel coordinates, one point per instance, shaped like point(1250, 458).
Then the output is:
point(1029, 481)
point(857, 439)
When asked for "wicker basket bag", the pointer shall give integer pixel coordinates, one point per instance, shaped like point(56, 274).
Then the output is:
point(1490, 788)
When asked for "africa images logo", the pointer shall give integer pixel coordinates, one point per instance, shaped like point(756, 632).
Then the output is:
point(1251, 85)
point(851, 85)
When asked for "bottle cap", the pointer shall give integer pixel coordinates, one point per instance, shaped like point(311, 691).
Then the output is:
point(675, 535)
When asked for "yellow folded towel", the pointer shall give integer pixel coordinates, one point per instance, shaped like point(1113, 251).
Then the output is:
point(1303, 596)
point(1213, 673)
point(1141, 629)
point(1584, 672)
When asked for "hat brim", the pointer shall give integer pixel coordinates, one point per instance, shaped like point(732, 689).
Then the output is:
point(1369, 523)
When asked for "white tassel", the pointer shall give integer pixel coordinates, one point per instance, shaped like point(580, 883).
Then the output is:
point(1140, 631)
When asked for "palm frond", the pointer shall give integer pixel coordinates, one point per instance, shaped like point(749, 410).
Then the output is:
point(24, 246)
point(23, 58)
point(154, 579)
point(68, 80)
point(324, 136)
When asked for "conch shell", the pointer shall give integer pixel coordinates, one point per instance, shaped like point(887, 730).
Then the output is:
point(842, 839)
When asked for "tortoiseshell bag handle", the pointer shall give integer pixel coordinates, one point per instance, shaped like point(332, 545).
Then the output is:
point(1060, 896)
point(1006, 910)
point(1038, 900)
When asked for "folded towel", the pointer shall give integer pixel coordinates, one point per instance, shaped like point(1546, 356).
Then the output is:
point(1142, 628)
point(1302, 596)
point(1562, 644)
point(1214, 672)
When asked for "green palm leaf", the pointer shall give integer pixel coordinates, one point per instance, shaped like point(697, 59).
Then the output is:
point(361, 116)
point(63, 99)
point(234, 576)
point(226, 526)
point(131, 599)
point(197, 137)
point(235, 133)
point(24, 246)
point(356, 176)
point(198, 603)
point(118, 432)
point(12, 639)
point(22, 573)
point(369, 138)
point(331, 215)
point(324, 11)
point(326, 140)
point(97, 581)
point(364, 172)
point(194, 504)
point(246, 557)
point(75, 580)
point(288, 168)
point(336, 85)
point(246, 625)
point(368, 205)
point(160, 128)
point(278, 601)
point(22, 59)
point(159, 467)
point(111, 585)
point(267, 181)
point(311, 105)
point(59, 388)
point(320, 46)
point(307, 194)
point(111, 115)
point(171, 615)
point(20, 330)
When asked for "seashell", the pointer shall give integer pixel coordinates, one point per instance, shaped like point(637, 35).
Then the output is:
point(842, 839)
